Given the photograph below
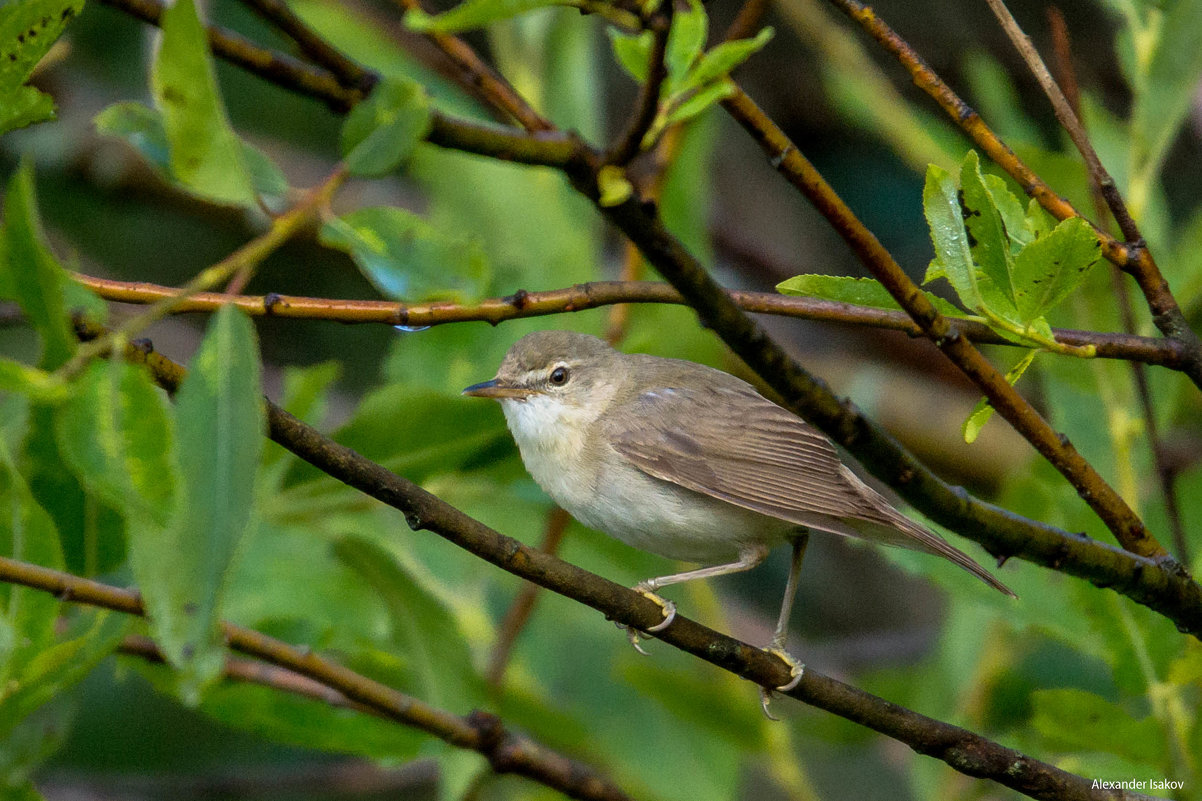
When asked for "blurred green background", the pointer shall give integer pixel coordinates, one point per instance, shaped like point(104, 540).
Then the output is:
point(908, 627)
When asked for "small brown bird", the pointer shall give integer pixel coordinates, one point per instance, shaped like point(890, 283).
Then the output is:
point(688, 462)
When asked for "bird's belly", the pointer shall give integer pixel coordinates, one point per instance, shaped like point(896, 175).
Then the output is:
point(662, 518)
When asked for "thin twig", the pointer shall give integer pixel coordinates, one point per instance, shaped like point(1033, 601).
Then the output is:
point(1133, 258)
point(319, 51)
point(1017, 410)
point(240, 262)
point(646, 106)
point(966, 751)
point(581, 297)
point(475, 75)
point(479, 731)
point(747, 22)
point(1069, 119)
point(1165, 473)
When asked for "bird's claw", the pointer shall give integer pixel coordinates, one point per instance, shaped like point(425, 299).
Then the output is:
point(796, 671)
point(634, 635)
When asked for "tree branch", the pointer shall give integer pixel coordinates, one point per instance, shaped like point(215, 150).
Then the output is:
point(1018, 411)
point(646, 106)
point(581, 297)
point(478, 77)
point(480, 731)
point(966, 751)
point(1133, 258)
point(546, 148)
point(321, 52)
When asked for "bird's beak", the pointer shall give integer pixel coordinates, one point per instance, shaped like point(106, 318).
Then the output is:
point(495, 389)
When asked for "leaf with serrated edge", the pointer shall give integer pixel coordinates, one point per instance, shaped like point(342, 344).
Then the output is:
point(988, 240)
point(857, 291)
point(1050, 268)
point(941, 207)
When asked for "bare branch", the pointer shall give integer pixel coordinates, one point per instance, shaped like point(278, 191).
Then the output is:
point(477, 76)
point(581, 297)
point(321, 52)
point(480, 731)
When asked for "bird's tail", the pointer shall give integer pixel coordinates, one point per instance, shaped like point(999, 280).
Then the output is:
point(897, 529)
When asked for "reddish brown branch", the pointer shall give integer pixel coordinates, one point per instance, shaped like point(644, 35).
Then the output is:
point(581, 297)
point(321, 52)
point(475, 75)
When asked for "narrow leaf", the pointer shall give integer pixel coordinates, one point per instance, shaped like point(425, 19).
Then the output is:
point(423, 628)
point(474, 14)
point(406, 258)
point(989, 242)
point(941, 206)
point(983, 411)
point(206, 154)
point(381, 132)
point(182, 569)
point(35, 278)
point(686, 40)
point(856, 291)
point(698, 102)
point(725, 57)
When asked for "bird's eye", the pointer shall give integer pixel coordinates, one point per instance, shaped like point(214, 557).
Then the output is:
point(559, 376)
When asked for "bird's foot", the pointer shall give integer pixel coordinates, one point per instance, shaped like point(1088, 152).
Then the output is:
point(633, 634)
point(796, 671)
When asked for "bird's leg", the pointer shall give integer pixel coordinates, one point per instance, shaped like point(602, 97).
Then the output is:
point(777, 646)
point(748, 558)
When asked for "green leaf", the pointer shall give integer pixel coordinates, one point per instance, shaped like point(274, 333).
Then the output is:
point(205, 153)
point(720, 61)
point(983, 411)
point(615, 188)
point(694, 104)
point(28, 29)
point(381, 132)
point(1010, 208)
point(857, 291)
point(423, 629)
point(59, 667)
point(686, 40)
point(989, 243)
point(143, 129)
point(406, 258)
point(182, 569)
point(1166, 86)
point(35, 278)
point(1050, 268)
point(31, 382)
point(116, 435)
point(941, 206)
point(313, 725)
point(633, 52)
point(27, 616)
point(1076, 720)
point(474, 14)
